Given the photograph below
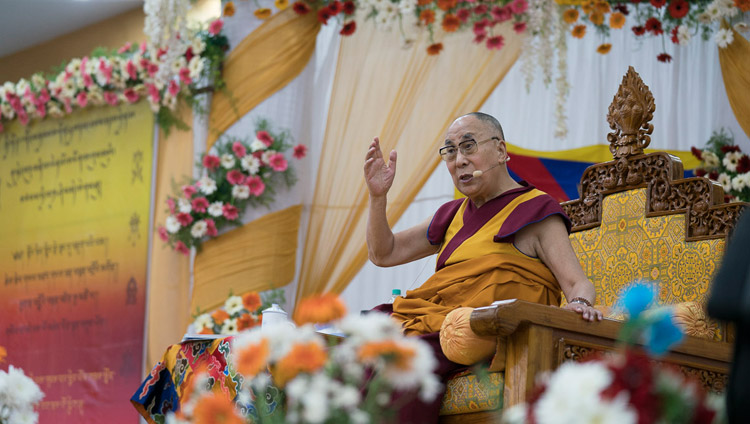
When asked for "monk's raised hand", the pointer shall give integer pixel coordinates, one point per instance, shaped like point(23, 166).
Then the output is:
point(379, 175)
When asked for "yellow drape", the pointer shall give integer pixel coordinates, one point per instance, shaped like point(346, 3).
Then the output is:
point(735, 68)
point(406, 97)
point(169, 272)
point(257, 256)
point(263, 63)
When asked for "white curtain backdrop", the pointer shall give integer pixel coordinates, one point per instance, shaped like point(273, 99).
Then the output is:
point(691, 103)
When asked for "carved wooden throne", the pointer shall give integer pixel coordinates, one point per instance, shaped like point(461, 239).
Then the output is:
point(637, 218)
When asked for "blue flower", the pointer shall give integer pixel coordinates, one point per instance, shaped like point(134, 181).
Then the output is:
point(662, 333)
point(637, 298)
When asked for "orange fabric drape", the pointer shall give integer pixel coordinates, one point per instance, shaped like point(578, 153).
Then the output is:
point(169, 272)
point(263, 63)
point(735, 68)
point(258, 256)
point(406, 97)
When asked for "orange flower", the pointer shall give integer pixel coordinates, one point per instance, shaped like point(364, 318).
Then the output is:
point(602, 7)
point(423, 2)
point(253, 358)
point(245, 321)
point(3, 354)
point(251, 301)
point(604, 48)
point(578, 31)
point(390, 351)
point(447, 4)
point(427, 16)
point(262, 13)
point(570, 16)
point(451, 23)
point(215, 409)
point(617, 20)
point(281, 4)
point(307, 358)
point(319, 309)
point(743, 5)
point(229, 9)
point(219, 316)
point(434, 49)
point(587, 6)
point(206, 330)
point(596, 18)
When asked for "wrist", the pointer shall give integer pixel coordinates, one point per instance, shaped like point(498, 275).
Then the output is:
point(582, 301)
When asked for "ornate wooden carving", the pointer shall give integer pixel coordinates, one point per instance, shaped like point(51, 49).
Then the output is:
point(629, 116)
point(576, 353)
point(668, 192)
point(710, 380)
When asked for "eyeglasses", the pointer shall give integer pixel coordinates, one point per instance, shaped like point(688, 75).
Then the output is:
point(467, 147)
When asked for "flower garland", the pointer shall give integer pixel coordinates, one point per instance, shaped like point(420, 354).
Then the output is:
point(723, 161)
point(238, 314)
point(163, 75)
point(237, 174)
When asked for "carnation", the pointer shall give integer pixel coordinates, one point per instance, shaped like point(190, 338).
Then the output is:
point(206, 185)
point(199, 229)
point(251, 164)
point(216, 209)
point(227, 161)
point(184, 206)
point(257, 145)
point(278, 162)
point(172, 224)
point(240, 191)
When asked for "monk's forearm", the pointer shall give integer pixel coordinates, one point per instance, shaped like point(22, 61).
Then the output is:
point(582, 289)
point(380, 240)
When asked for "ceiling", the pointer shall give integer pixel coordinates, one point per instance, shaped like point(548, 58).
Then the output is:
point(26, 23)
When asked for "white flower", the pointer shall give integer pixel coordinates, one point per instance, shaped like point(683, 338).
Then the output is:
point(726, 181)
point(314, 406)
point(21, 391)
point(203, 321)
point(9, 87)
point(731, 160)
point(347, 397)
point(683, 35)
point(227, 161)
point(739, 182)
point(723, 37)
point(196, 66)
point(233, 305)
point(266, 156)
point(516, 414)
point(741, 27)
point(23, 416)
point(359, 416)
point(38, 80)
point(199, 229)
point(206, 185)
point(198, 46)
point(710, 159)
point(240, 191)
point(178, 64)
point(7, 111)
point(251, 164)
point(713, 12)
point(229, 327)
point(215, 209)
point(172, 224)
point(257, 145)
point(184, 205)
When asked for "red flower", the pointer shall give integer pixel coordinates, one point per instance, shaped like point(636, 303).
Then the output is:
point(743, 165)
point(519, 27)
point(480, 38)
point(239, 150)
point(180, 247)
point(622, 9)
point(480, 10)
point(259, 155)
point(501, 14)
point(730, 148)
point(519, 6)
point(211, 162)
point(278, 162)
point(653, 25)
point(463, 14)
point(479, 27)
point(215, 27)
point(495, 43)
point(188, 191)
point(639, 30)
point(664, 58)
point(235, 177)
point(700, 172)
point(434, 49)
point(265, 137)
point(163, 233)
point(324, 14)
point(300, 8)
point(679, 8)
point(200, 204)
point(348, 28)
point(184, 219)
point(658, 3)
point(713, 175)
point(674, 37)
point(300, 151)
point(256, 186)
point(697, 153)
point(230, 211)
point(349, 7)
point(211, 227)
point(728, 198)
point(335, 7)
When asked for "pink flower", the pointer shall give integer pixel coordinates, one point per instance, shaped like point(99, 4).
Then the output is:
point(163, 233)
point(171, 205)
point(130, 95)
point(161, 52)
point(265, 137)
point(239, 149)
point(256, 186)
point(68, 107)
point(152, 69)
point(235, 177)
point(210, 227)
point(463, 14)
point(501, 14)
point(23, 117)
point(153, 92)
point(82, 99)
point(184, 219)
point(44, 95)
point(132, 70)
point(211, 162)
point(124, 48)
point(174, 88)
point(519, 27)
point(495, 43)
point(189, 190)
point(519, 6)
point(300, 151)
point(259, 155)
point(185, 76)
point(106, 71)
point(480, 38)
point(189, 54)
point(180, 247)
point(110, 98)
point(143, 47)
point(479, 27)
point(278, 162)
point(230, 211)
point(480, 9)
point(87, 80)
point(215, 27)
point(200, 204)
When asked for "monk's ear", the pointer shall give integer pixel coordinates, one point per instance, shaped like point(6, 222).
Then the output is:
point(502, 151)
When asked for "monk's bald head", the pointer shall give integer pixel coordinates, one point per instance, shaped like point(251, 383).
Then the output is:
point(489, 120)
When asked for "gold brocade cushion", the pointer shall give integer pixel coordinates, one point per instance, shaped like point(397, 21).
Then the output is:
point(465, 393)
point(628, 246)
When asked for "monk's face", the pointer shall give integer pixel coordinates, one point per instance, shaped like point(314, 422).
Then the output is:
point(487, 156)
